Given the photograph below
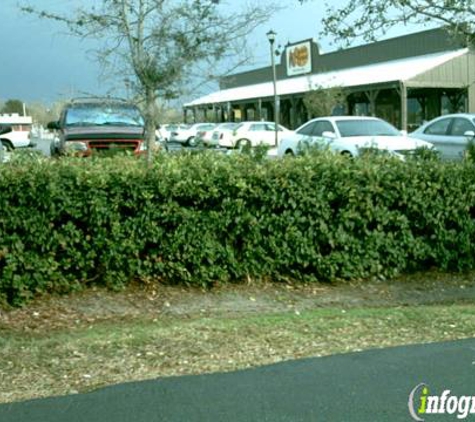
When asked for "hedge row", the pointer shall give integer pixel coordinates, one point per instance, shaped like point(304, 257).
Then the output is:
point(205, 219)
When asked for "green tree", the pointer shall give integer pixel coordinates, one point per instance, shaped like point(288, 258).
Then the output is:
point(12, 106)
point(368, 19)
point(157, 46)
point(322, 101)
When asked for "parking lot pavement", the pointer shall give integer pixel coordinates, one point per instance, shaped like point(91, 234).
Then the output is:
point(43, 145)
point(375, 385)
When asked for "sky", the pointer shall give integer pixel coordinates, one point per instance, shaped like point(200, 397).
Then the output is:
point(40, 62)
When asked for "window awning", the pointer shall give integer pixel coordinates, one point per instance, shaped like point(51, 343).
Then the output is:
point(390, 71)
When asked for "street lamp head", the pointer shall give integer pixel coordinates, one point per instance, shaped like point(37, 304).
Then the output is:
point(271, 36)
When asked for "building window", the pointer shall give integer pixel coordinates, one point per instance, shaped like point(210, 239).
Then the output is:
point(453, 103)
point(361, 109)
point(415, 114)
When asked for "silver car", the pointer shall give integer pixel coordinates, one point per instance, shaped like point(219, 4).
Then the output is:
point(449, 134)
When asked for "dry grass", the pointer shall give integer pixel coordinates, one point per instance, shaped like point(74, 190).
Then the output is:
point(74, 344)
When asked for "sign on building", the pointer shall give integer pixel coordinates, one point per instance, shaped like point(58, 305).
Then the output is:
point(299, 59)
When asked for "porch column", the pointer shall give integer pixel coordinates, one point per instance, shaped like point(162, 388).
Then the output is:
point(423, 103)
point(293, 106)
point(471, 98)
point(470, 81)
point(243, 112)
point(372, 95)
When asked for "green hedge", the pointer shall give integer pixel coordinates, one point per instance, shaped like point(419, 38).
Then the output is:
point(205, 218)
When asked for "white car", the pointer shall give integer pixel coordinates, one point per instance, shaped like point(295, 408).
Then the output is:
point(187, 136)
point(250, 134)
point(16, 139)
point(164, 131)
point(207, 136)
point(450, 134)
point(19, 135)
point(350, 135)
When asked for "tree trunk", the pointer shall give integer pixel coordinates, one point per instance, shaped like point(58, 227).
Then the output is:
point(150, 124)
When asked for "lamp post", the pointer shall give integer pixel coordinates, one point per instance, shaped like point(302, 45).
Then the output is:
point(127, 87)
point(271, 37)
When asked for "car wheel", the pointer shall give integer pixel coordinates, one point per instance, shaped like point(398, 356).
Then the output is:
point(243, 145)
point(347, 154)
point(8, 145)
point(54, 149)
point(192, 141)
point(289, 153)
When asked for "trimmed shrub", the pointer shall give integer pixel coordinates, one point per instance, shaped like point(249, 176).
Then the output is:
point(201, 219)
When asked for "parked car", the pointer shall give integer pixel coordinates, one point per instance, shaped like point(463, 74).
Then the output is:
point(19, 134)
point(250, 134)
point(449, 134)
point(350, 135)
point(98, 125)
point(164, 132)
point(187, 136)
point(206, 136)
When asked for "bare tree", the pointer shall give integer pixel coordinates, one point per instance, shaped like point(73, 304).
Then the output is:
point(369, 19)
point(44, 113)
point(160, 45)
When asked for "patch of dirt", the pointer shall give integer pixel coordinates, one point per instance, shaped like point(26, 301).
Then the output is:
point(94, 305)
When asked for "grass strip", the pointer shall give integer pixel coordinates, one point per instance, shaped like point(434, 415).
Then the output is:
point(62, 361)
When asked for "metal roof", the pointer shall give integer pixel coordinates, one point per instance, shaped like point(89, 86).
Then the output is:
point(390, 71)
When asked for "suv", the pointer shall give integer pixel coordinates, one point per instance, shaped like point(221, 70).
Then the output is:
point(98, 125)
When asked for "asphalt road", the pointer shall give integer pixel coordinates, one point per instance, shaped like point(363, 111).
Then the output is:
point(368, 386)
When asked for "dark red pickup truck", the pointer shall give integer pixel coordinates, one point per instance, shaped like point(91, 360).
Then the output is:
point(90, 126)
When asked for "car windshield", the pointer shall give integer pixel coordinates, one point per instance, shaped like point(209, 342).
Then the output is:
point(366, 128)
point(103, 114)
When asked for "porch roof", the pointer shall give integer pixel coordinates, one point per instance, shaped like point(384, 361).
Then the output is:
point(390, 71)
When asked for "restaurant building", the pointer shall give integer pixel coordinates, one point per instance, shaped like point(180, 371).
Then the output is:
point(404, 80)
